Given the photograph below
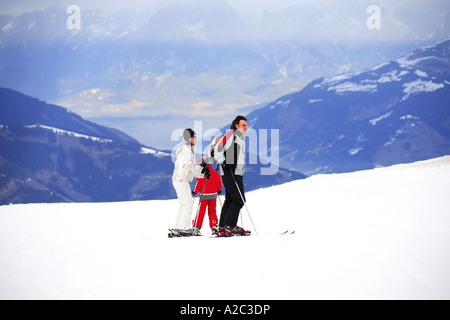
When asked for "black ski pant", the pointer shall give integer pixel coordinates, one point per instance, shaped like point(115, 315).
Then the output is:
point(233, 201)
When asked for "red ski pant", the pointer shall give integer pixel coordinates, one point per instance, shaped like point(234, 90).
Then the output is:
point(213, 221)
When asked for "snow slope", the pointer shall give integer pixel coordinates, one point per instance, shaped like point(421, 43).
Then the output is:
point(378, 234)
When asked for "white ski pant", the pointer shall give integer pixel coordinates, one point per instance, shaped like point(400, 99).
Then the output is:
point(184, 195)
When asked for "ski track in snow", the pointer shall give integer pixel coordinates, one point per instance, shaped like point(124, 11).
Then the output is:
point(377, 234)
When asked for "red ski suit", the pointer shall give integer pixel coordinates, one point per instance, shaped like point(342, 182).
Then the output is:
point(209, 199)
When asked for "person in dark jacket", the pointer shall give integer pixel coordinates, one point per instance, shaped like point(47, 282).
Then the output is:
point(230, 153)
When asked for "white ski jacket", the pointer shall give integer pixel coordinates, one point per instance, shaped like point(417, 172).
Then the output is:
point(185, 167)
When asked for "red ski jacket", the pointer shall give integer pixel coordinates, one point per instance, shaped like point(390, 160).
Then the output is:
point(213, 185)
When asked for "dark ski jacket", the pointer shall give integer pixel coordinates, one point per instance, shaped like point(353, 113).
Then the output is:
point(230, 153)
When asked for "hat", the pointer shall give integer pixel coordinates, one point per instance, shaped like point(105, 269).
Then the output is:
point(188, 134)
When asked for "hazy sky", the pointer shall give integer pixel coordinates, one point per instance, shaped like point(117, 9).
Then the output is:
point(20, 6)
point(244, 6)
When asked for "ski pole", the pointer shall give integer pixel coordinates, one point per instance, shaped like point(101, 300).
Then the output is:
point(242, 219)
point(220, 201)
point(243, 200)
point(200, 201)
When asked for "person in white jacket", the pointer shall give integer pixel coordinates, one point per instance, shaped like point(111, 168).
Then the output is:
point(186, 169)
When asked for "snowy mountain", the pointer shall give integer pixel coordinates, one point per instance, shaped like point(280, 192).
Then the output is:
point(20, 110)
point(380, 234)
point(48, 154)
point(191, 54)
point(397, 112)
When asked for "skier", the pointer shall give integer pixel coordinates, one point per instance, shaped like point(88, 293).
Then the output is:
point(185, 171)
point(230, 153)
point(211, 187)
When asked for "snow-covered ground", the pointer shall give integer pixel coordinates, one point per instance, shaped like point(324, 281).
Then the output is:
point(378, 234)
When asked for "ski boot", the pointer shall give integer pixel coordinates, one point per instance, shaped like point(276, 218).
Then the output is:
point(237, 231)
point(220, 232)
point(196, 232)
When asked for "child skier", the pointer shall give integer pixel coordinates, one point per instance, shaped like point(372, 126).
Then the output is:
point(211, 187)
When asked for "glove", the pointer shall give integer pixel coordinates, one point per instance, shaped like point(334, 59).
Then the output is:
point(206, 172)
point(204, 164)
point(194, 193)
point(219, 192)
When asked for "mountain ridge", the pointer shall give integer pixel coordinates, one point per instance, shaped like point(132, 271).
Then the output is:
point(49, 154)
point(392, 113)
point(15, 111)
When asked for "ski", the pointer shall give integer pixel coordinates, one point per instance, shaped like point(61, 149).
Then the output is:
point(287, 232)
point(174, 233)
point(230, 235)
point(221, 235)
point(225, 234)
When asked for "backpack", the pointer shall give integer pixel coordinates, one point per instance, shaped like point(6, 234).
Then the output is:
point(217, 145)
